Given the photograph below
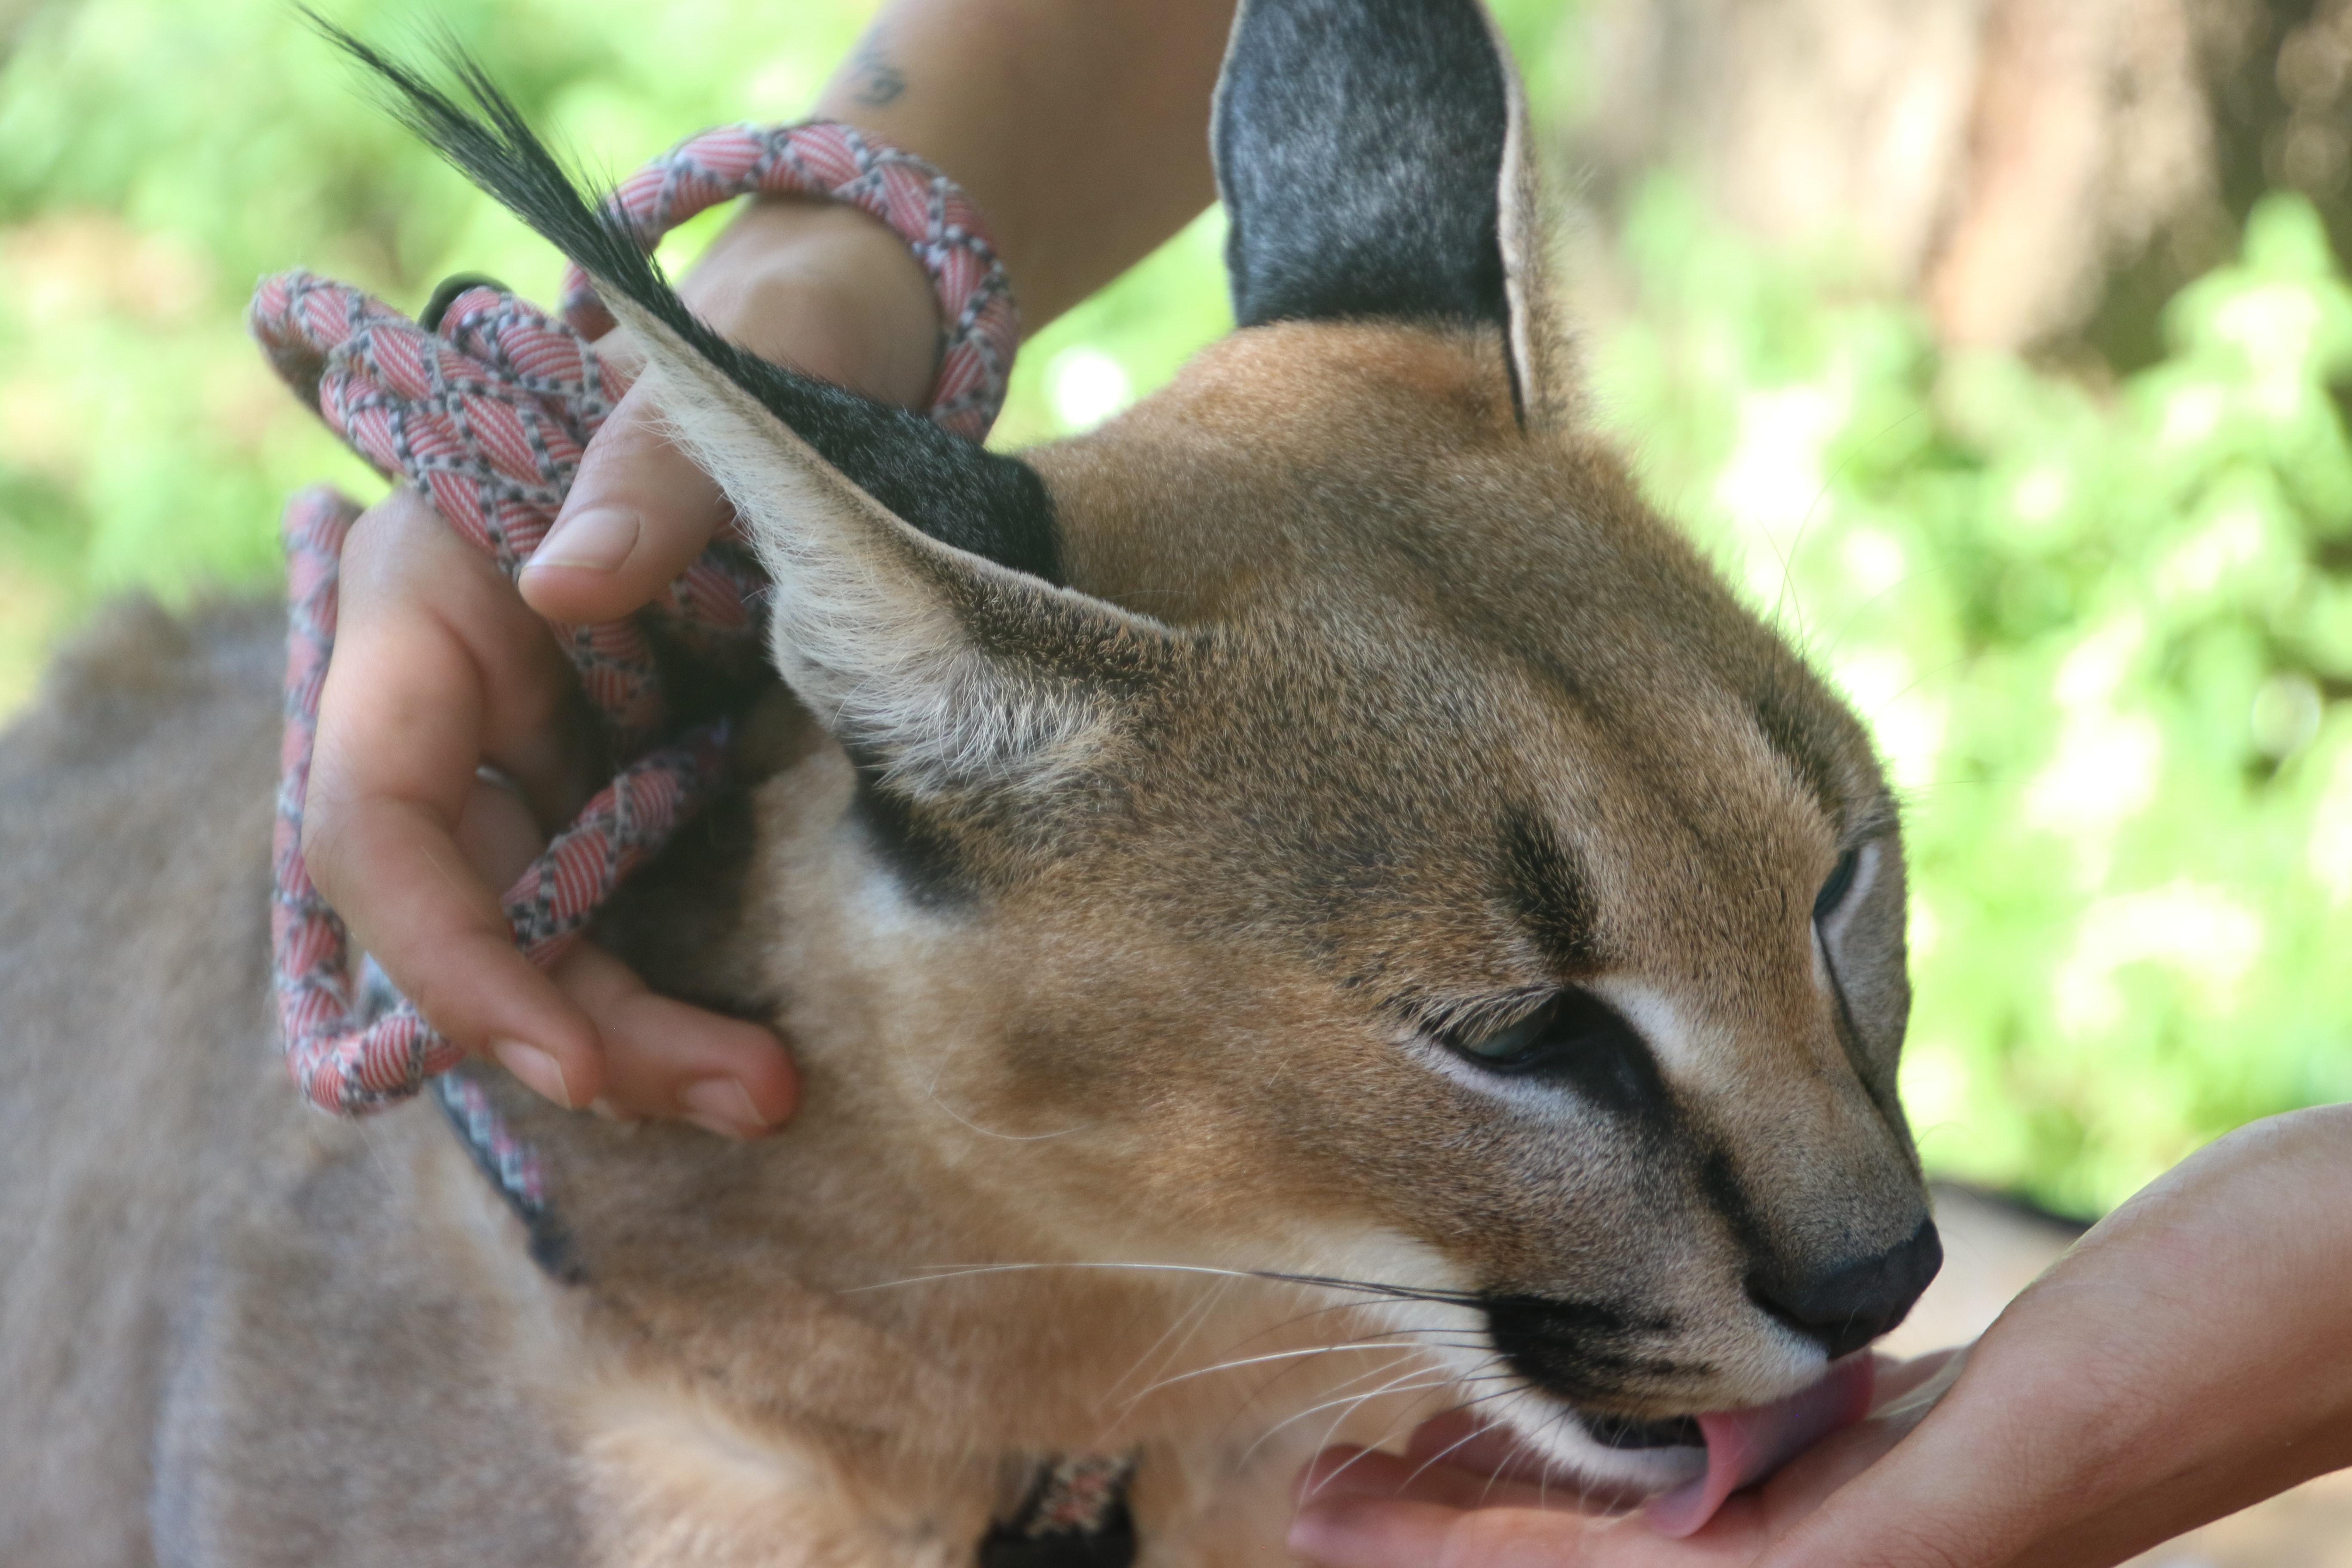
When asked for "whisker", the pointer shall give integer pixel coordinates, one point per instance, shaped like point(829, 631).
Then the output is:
point(1317, 1281)
point(1405, 1359)
point(1411, 1342)
point(1400, 1382)
point(1374, 1447)
point(1271, 1356)
point(1371, 1447)
point(1474, 1347)
point(960, 1271)
point(1189, 1322)
point(1399, 1385)
point(1330, 1307)
point(1464, 1404)
point(1520, 1445)
point(1412, 1365)
point(1374, 1287)
point(1410, 1354)
point(932, 1093)
point(1440, 1456)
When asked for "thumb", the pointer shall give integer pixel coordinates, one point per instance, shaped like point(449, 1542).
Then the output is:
point(638, 514)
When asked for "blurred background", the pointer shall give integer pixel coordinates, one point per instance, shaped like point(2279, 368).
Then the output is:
point(1996, 348)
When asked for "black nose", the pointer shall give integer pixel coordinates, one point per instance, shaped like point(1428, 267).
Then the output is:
point(1852, 1304)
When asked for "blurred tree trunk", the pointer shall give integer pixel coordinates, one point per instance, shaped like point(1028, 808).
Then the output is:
point(2042, 174)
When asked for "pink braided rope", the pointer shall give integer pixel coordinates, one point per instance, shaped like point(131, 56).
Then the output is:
point(825, 158)
point(488, 418)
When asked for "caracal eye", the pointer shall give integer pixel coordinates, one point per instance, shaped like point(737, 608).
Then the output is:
point(1840, 884)
point(1513, 1045)
point(1570, 1034)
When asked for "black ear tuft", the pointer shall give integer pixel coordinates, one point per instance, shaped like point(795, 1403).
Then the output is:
point(1360, 148)
point(957, 492)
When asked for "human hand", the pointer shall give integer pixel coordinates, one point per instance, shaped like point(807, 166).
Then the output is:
point(1463, 1498)
point(821, 288)
point(2180, 1364)
point(441, 671)
point(2183, 1360)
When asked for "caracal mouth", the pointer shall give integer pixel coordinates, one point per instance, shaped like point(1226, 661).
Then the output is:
point(1678, 1471)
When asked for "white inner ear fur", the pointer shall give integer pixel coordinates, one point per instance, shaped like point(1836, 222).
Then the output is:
point(860, 624)
point(1525, 229)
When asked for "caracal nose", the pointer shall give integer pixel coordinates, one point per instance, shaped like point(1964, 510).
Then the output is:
point(1845, 1307)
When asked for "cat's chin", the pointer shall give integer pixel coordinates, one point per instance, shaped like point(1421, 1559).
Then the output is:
point(1613, 1465)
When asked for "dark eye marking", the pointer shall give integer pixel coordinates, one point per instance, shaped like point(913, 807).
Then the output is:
point(1573, 1039)
point(1546, 887)
point(1841, 883)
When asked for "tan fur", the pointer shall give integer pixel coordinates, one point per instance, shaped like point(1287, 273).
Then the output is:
point(1113, 1008)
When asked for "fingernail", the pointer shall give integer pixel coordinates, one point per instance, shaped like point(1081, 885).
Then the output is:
point(540, 1072)
point(723, 1105)
point(597, 540)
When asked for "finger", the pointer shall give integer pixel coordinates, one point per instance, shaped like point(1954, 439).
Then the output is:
point(1347, 1471)
point(1894, 1381)
point(1366, 1508)
point(1814, 1475)
point(638, 514)
point(1385, 1533)
point(818, 287)
point(1456, 1441)
point(438, 664)
point(393, 774)
point(438, 931)
point(664, 1058)
point(497, 832)
point(1375, 1532)
point(1423, 1478)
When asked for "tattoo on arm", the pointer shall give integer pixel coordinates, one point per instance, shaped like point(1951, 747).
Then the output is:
point(878, 81)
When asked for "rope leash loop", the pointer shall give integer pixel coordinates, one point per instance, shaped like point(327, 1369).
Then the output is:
point(487, 413)
point(980, 325)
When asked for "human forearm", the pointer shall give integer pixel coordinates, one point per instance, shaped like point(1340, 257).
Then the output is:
point(2189, 1358)
point(1080, 127)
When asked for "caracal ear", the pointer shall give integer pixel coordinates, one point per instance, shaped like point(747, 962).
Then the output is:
point(927, 634)
point(1373, 156)
point(949, 671)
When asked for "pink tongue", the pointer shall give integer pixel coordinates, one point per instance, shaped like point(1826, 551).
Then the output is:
point(1743, 1447)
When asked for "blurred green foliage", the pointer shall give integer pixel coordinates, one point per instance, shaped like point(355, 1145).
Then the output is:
point(2104, 636)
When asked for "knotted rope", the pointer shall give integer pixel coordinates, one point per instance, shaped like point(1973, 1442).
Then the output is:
point(487, 411)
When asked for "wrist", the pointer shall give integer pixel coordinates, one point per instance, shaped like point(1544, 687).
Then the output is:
point(826, 290)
